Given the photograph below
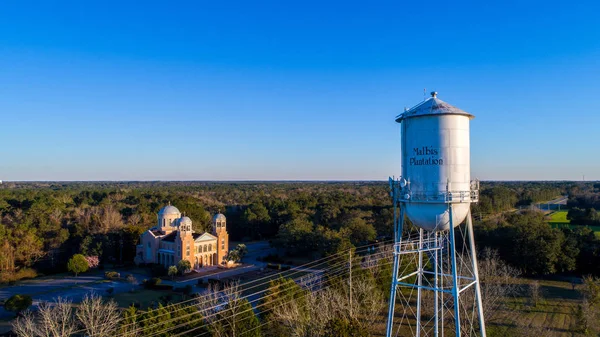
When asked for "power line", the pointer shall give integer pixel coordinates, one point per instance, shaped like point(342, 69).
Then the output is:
point(269, 277)
point(291, 271)
point(339, 272)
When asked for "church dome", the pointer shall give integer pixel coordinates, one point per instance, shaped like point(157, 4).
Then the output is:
point(185, 221)
point(218, 217)
point(168, 210)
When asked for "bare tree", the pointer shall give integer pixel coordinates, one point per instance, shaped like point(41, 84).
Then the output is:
point(133, 281)
point(135, 219)
point(231, 296)
point(98, 318)
point(535, 294)
point(308, 316)
point(26, 325)
point(209, 307)
point(367, 302)
point(497, 282)
point(109, 218)
point(52, 320)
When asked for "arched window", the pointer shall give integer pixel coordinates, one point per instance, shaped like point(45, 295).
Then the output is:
point(210, 247)
point(205, 248)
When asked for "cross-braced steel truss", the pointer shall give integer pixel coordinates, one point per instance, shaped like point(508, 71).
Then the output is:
point(435, 284)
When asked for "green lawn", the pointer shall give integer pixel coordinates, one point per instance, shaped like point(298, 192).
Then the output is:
point(145, 297)
point(559, 217)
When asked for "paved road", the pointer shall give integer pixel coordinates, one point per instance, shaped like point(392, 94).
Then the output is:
point(75, 288)
point(46, 289)
point(553, 204)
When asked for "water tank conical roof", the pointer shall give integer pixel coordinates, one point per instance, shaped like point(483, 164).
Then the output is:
point(432, 106)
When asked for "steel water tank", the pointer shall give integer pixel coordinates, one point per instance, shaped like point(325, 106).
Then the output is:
point(436, 168)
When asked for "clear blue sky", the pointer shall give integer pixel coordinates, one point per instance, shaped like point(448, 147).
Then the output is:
point(215, 90)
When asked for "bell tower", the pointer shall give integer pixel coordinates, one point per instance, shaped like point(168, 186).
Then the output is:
point(186, 240)
point(219, 229)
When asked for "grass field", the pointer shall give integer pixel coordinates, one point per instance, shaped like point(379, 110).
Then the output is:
point(553, 316)
point(559, 217)
point(145, 298)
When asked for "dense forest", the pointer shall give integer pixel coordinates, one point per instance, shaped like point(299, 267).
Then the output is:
point(43, 224)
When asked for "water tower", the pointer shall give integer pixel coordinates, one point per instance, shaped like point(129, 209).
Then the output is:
point(435, 277)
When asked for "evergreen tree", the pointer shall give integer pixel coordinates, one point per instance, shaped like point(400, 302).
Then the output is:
point(78, 264)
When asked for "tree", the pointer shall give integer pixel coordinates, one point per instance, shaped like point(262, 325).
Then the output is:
point(98, 318)
point(156, 322)
point(130, 322)
point(132, 280)
point(183, 266)
point(52, 320)
point(233, 256)
point(18, 303)
point(242, 250)
point(240, 319)
point(172, 271)
point(187, 321)
point(527, 242)
point(341, 327)
point(281, 292)
point(591, 289)
point(78, 264)
point(227, 314)
point(534, 293)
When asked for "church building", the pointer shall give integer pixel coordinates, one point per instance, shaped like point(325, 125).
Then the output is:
point(173, 240)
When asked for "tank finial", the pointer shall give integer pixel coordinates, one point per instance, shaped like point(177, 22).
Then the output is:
point(433, 94)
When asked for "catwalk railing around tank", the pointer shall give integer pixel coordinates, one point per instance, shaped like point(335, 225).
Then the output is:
point(400, 189)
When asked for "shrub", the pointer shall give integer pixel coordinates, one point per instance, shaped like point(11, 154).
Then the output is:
point(172, 271)
point(154, 281)
point(21, 274)
point(93, 261)
point(111, 275)
point(155, 284)
point(18, 303)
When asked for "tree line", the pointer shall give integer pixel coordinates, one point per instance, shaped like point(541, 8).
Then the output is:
point(42, 225)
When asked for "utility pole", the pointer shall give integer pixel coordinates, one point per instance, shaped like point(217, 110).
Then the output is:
point(350, 278)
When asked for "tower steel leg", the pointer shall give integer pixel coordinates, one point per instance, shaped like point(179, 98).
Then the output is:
point(419, 282)
point(398, 227)
point(476, 275)
point(454, 273)
point(435, 282)
point(443, 242)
